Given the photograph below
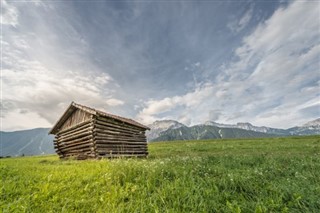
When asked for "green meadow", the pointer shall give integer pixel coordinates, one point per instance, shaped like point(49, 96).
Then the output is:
point(230, 175)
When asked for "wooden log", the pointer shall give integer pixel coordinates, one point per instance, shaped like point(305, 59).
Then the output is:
point(77, 139)
point(116, 122)
point(109, 132)
point(118, 143)
point(74, 140)
point(76, 131)
point(87, 143)
point(91, 155)
point(103, 140)
point(118, 136)
point(58, 152)
point(107, 146)
point(121, 145)
point(61, 156)
point(107, 129)
point(88, 129)
point(83, 134)
point(94, 148)
point(104, 129)
point(109, 151)
point(117, 131)
point(76, 144)
point(122, 142)
point(119, 126)
point(76, 126)
point(106, 135)
point(56, 146)
point(79, 151)
point(121, 148)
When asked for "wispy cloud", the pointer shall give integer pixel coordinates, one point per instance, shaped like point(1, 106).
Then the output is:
point(9, 14)
point(275, 71)
point(114, 102)
point(237, 24)
point(39, 83)
point(281, 61)
point(187, 61)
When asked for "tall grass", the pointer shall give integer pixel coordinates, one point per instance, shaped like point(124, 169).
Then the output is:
point(257, 175)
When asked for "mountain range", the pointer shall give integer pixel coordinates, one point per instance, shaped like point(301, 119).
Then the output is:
point(37, 141)
point(26, 142)
point(173, 130)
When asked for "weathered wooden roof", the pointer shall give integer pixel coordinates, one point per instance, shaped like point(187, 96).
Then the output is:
point(74, 106)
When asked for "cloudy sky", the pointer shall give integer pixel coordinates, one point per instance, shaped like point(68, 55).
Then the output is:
point(191, 61)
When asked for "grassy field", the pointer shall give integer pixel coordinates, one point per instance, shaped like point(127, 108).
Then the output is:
point(256, 175)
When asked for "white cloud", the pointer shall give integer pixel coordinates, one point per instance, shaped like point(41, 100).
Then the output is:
point(38, 83)
point(40, 90)
point(9, 14)
point(280, 58)
point(189, 101)
point(16, 119)
point(273, 74)
point(197, 64)
point(114, 102)
point(239, 24)
point(50, 62)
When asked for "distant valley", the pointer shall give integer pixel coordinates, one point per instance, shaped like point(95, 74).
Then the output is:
point(37, 141)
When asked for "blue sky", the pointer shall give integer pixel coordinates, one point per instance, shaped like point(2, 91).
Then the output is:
point(191, 61)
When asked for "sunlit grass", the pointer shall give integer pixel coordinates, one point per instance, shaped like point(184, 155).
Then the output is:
point(256, 175)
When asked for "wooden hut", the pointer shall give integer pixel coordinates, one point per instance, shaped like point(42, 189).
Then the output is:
point(83, 132)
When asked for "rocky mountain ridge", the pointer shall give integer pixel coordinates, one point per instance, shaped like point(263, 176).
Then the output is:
point(160, 126)
point(309, 128)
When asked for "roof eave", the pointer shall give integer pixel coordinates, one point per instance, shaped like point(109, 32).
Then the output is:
point(60, 121)
point(73, 106)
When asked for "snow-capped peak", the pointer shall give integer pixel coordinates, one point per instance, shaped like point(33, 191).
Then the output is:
point(314, 123)
point(166, 124)
point(243, 125)
point(160, 126)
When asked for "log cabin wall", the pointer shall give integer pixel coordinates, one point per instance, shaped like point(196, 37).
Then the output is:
point(78, 116)
point(76, 141)
point(84, 132)
point(75, 136)
point(114, 138)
